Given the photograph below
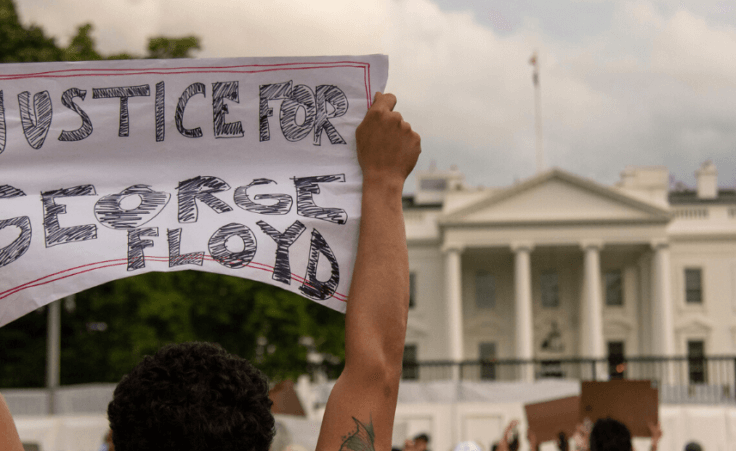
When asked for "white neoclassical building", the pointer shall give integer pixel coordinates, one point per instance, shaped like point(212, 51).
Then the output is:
point(559, 267)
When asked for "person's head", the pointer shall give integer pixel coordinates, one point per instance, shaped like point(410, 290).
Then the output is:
point(421, 441)
point(192, 397)
point(610, 435)
point(693, 446)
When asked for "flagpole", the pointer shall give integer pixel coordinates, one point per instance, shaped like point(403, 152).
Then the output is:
point(538, 114)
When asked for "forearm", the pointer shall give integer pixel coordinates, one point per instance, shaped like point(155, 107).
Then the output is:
point(363, 399)
point(375, 323)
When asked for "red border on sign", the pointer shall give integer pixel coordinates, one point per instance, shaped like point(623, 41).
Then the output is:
point(240, 69)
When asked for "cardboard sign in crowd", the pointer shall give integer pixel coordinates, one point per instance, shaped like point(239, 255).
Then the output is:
point(635, 403)
point(245, 167)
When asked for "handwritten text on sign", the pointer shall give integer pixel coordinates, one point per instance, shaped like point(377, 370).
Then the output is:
point(244, 167)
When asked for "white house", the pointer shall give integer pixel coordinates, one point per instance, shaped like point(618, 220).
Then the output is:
point(559, 267)
point(557, 279)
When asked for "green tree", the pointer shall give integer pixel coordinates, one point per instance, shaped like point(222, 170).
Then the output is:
point(82, 46)
point(23, 44)
point(163, 47)
point(114, 325)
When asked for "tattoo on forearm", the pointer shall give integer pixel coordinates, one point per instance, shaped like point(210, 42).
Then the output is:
point(360, 440)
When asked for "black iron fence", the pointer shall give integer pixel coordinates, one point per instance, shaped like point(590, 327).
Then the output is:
point(702, 379)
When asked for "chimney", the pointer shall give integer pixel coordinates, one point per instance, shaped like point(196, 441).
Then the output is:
point(707, 177)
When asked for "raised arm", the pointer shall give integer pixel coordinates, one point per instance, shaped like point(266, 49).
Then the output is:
point(360, 412)
point(9, 439)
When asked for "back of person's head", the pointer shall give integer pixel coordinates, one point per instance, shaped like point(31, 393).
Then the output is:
point(192, 397)
point(421, 441)
point(610, 435)
point(693, 446)
point(422, 436)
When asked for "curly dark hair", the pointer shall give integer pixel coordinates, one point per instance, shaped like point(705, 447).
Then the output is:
point(192, 396)
point(610, 435)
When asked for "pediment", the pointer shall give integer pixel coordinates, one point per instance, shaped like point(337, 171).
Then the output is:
point(553, 197)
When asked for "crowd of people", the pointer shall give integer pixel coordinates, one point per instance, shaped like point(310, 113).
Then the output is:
point(605, 434)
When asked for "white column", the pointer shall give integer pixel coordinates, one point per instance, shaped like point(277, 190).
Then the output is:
point(454, 295)
point(662, 300)
point(646, 335)
point(594, 304)
point(523, 307)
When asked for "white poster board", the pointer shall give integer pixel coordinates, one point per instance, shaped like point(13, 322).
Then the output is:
point(245, 167)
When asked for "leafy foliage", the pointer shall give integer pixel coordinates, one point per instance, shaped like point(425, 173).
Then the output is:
point(127, 319)
point(113, 325)
point(162, 47)
point(21, 44)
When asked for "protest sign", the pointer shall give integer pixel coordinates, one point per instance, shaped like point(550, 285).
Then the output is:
point(547, 419)
point(245, 167)
point(633, 403)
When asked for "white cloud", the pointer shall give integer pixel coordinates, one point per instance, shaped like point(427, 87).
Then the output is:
point(691, 50)
point(656, 86)
point(232, 28)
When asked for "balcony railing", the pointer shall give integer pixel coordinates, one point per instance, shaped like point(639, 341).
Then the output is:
point(707, 379)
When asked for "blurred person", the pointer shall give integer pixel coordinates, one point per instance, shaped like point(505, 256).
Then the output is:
point(562, 443)
point(418, 443)
point(534, 445)
point(107, 442)
point(9, 438)
point(693, 446)
point(198, 397)
point(608, 434)
point(532, 439)
point(510, 438)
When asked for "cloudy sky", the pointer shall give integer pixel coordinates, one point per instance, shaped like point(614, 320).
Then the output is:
point(623, 82)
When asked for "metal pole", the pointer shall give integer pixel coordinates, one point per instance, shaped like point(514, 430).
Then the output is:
point(538, 114)
point(540, 144)
point(53, 346)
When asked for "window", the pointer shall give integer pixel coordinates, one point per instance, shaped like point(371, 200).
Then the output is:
point(696, 361)
point(550, 290)
point(485, 290)
point(693, 286)
point(487, 352)
point(412, 289)
point(410, 367)
point(616, 364)
point(614, 293)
